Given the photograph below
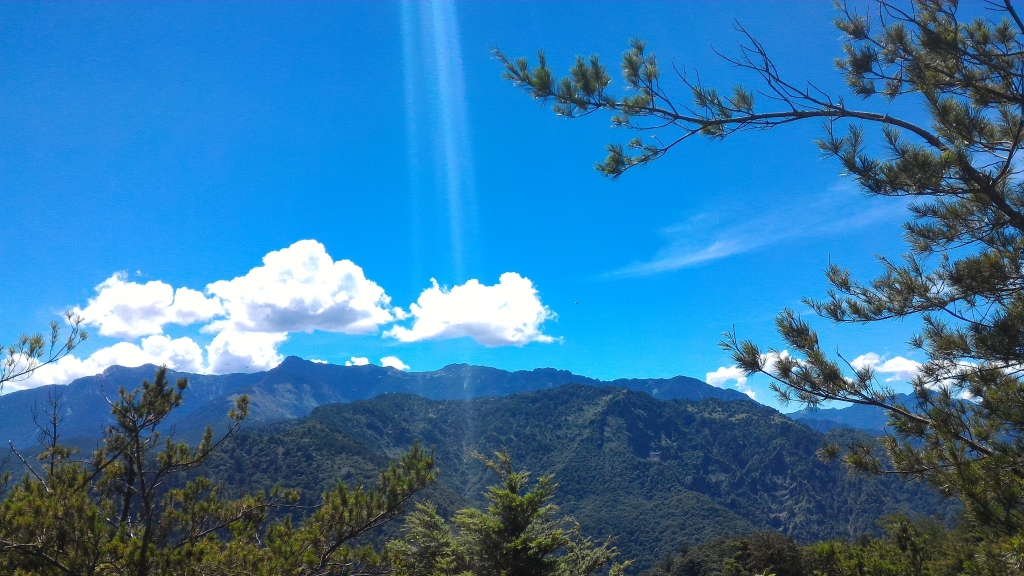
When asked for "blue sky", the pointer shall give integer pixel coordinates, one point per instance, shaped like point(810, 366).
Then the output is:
point(179, 144)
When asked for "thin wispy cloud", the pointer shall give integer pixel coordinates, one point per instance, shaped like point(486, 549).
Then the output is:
point(707, 237)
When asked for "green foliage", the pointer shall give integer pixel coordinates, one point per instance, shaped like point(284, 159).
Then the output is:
point(907, 547)
point(32, 351)
point(517, 535)
point(129, 509)
point(915, 547)
point(758, 553)
point(963, 274)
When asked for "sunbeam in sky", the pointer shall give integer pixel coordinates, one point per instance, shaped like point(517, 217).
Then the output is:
point(435, 92)
point(412, 76)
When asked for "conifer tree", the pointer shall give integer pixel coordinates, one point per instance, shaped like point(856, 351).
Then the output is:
point(962, 275)
point(33, 351)
point(132, 509)
point(517, 535)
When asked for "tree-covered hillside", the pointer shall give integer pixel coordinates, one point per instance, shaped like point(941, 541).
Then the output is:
point(652, 473)
point(295, 387)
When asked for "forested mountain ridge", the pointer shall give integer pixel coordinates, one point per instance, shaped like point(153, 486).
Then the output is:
point(652, 473)
point(296, 386)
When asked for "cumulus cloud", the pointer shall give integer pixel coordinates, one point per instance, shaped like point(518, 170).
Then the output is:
point(719, 378)
point(181, 354)
point(297, 289)
point(904, 369)
point(507, 313)
point(357, 361)
point(233, 351)
point(123, 309)
point(772, 357)
point(898, 367)
point(300, 289)
point(393, 362)
point(318, 361)
point(724, 374)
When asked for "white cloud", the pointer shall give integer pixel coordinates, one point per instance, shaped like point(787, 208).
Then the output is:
point(318, 361)
point(904, 369)
point(181, 354)
point(737, 230)
point(301, 289)
point(772, 357)
point(357, 361)
point(677, 257)
point(719, 378)
point(507, 313)
point(233, 351)
point(298, 288)
point(128, 310)
point(393, 362)
point(899, 367)
point(724, 374)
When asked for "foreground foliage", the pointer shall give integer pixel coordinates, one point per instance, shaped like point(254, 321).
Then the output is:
point(33, 351)
point(907, 547)
point(517, 535)
point(129, 510)
point(962, 278)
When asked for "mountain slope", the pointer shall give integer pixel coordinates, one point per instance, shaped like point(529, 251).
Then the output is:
point(295, 387)
point(652, 473)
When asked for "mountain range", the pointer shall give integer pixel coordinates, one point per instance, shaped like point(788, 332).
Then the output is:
point(653, 474)
point(656, 463)
point(296, 386)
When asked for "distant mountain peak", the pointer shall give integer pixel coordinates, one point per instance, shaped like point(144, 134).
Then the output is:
point(292, 361)
point(117, 370)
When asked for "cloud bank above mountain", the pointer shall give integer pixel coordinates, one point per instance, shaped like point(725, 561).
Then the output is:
point(508, 313)
point(300, 288)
